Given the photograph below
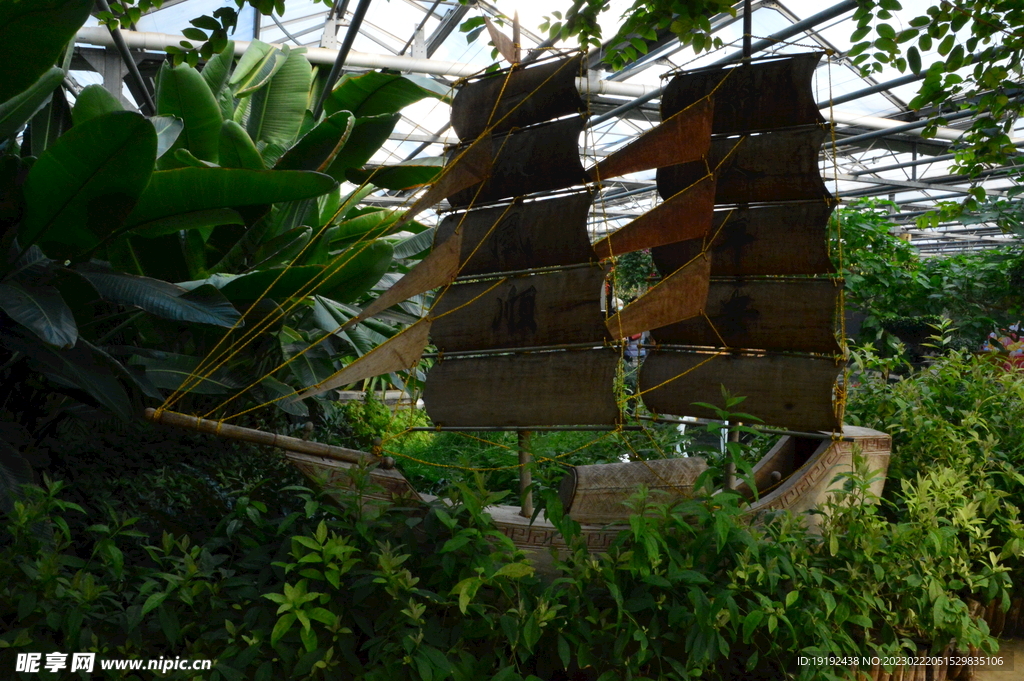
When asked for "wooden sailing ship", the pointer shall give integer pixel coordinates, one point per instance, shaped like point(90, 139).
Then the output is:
point(526, 339)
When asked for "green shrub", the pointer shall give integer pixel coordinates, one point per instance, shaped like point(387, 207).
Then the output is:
point(962, 417)
point(360, 590)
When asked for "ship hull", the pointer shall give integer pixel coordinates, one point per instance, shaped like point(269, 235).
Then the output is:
point(808, 470)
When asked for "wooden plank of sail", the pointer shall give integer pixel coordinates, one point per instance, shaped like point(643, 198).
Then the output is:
point(532, 95)
point(398, 353)
point(570, 388)
point(752, 97)
point(768, 314)
point(781, 239)
point(774, 166)
point(679, 296)
point(540, 158)
point(788, 391)
point(683, 137)
point(554, 308)
point(687, 215)
point(533, 234)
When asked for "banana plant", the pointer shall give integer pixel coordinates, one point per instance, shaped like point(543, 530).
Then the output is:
point(233, 191)
point(79, 190)
point(254, 116)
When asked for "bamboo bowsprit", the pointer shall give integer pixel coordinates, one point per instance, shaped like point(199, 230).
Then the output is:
point(262, 437)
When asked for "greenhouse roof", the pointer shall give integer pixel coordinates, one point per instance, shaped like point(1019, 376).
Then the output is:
point(878, 151)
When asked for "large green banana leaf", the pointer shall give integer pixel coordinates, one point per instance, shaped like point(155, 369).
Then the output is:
point(203, 305)
point(349, 276)
point(88, 373)
point(282, 248)
point(168, 371)
point(405, 175)
point(357, 270)
point(374, 93)
point(276, 109)
point(17, 110)
point(308, 363)
point(276, 389)
point(368, 134)
point(186, 190)
point(167, 130)
point(32, 35)
point(218, 69)
point(237, 149)
point(184, 94)
point(81, 190)
point(49, 123)
point(276, 282)
point(256, 67)
point(93, 101)
point(318, 148)
point(372, 224)
point(416, 244)
point(202, 220)
point(41, 309)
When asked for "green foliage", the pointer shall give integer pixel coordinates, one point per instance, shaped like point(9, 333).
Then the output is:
point(119, 232)
point(644, 21)
point(82, 189)
point(16, 111)
point(901, 292)
point(372, 94)
point(633, 273)
point(552, 452)
point(981, 33)
point(964, 414)
point(33, 35)
point(282, 586)
point(984, 35)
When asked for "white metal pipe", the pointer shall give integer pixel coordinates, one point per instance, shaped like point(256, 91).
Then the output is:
point(591, 85)
point(321, 55)
point(316, 55)
point(878, 123)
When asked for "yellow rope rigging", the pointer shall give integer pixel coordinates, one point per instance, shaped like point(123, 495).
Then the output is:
point(214, 361)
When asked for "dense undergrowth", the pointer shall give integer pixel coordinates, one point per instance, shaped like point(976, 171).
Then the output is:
point(204, 551)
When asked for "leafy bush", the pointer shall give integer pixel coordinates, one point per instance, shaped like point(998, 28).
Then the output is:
point(961, 417)
point(292, 588)
point(898, 291)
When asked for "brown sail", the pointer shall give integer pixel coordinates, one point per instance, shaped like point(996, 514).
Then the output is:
point(782, 390)
point(398, 353)
point(572, 388)
point(525, 311)
point(769, 314)
point(774, 239)
point(685, 217)
point(523, 234)
point(774, 166)
point(683, 137)
point(544, 233)
point(540, 158)
point(772, 220)
point(437, 269)
point(532, 95)
point(762, 95)
point(679, 296)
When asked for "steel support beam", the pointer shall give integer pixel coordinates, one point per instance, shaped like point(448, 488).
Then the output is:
point(350, 36)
